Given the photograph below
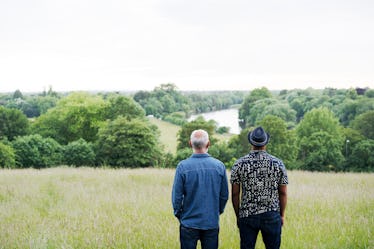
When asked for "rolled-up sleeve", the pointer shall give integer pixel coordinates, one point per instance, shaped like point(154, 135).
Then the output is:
point(177, 193)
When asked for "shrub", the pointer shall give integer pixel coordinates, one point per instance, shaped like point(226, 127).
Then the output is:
point(223, 152)
point(181, 155)
point(79, 153)
point(223, 130)
point(362, 157)
point(177, 118)
point(36, 151)
point(13, 123)
point(128, 143)
point(7, 156)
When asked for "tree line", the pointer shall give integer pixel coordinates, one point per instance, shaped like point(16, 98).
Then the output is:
point(171, 105)
point(319, 130)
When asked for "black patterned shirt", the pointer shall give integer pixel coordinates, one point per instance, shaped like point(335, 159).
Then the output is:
point(260, 175)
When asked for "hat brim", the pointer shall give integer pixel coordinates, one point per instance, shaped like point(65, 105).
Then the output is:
point(259, 144)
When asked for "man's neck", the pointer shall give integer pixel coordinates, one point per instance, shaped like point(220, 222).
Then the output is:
point(200, 151)
point(259, 148)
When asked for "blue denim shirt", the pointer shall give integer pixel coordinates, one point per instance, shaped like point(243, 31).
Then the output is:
point(200, 191)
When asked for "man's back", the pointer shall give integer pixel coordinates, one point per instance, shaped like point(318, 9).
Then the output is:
point(263, 180)
point(200, 191)
point(199, 195)
point(260, 175)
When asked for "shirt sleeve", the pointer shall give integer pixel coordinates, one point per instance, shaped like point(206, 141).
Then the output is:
point(177, 193)
point(283, 176)
point(234, 178)
point(224, 194)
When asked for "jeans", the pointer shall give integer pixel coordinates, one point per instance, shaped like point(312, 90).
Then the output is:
point(190, 236)
point(268, 223)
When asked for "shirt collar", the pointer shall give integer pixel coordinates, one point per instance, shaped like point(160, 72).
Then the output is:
point(200, 155)
point(258, 151)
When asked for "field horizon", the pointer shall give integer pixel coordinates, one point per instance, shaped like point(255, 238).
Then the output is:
point(131, 208)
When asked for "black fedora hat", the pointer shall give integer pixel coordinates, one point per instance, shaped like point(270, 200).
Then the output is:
point(258, 137)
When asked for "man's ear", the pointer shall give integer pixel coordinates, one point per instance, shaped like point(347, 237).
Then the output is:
point(208, 144)
point(189, 142)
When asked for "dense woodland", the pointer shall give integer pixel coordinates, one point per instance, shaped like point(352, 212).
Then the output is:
point(317, 130)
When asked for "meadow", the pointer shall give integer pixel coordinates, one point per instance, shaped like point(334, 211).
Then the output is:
point(130, 208)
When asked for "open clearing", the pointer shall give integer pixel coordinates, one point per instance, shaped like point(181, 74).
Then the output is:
point(130, 208)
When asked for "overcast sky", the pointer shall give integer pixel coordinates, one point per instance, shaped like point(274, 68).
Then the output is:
point(195, 44)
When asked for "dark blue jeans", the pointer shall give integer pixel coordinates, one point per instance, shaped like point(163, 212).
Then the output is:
point(268, 223)
point(190, 236)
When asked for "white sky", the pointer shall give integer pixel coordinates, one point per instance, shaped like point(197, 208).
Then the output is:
point(195, 44)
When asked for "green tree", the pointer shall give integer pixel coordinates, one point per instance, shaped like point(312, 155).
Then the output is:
point(246, 107)
point(78, 115)
point(320, 140)
point(17, 95)
point(351, 93)
point(199, 123)
point(7, 156)
point(257, 110)
point(168, 104)
point(264, 107)
point(128, 143)
point(36, 151)
point(153, 107)
point(13, 123)
point(240, 144)
point(298, 106)
point(324, 152)
point(163, 100)
point(282, 142)
point(181, 155)
point(120, 105)
point(79, 153)
point(178, 118)
point(224, 152)
point(351, 138)
point(364, 123)
point(46, 103)
point(362, 157)
point(140, 96)
point(369, 93)
point(349, 109)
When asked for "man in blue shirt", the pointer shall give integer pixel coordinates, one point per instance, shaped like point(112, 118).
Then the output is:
point(199, 195)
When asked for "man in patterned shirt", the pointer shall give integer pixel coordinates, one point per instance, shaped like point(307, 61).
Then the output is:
point(262, 179)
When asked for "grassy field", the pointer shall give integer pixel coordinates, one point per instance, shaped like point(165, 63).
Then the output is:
point(168, 136)
point(124, 208)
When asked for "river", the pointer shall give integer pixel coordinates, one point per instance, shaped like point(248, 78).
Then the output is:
point(228, 118)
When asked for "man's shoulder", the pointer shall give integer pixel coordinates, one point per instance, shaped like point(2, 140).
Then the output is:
point(276, 159)
point(242, 159)
point(215, 159)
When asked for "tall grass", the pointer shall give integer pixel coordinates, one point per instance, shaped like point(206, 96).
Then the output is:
point(124, 208)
